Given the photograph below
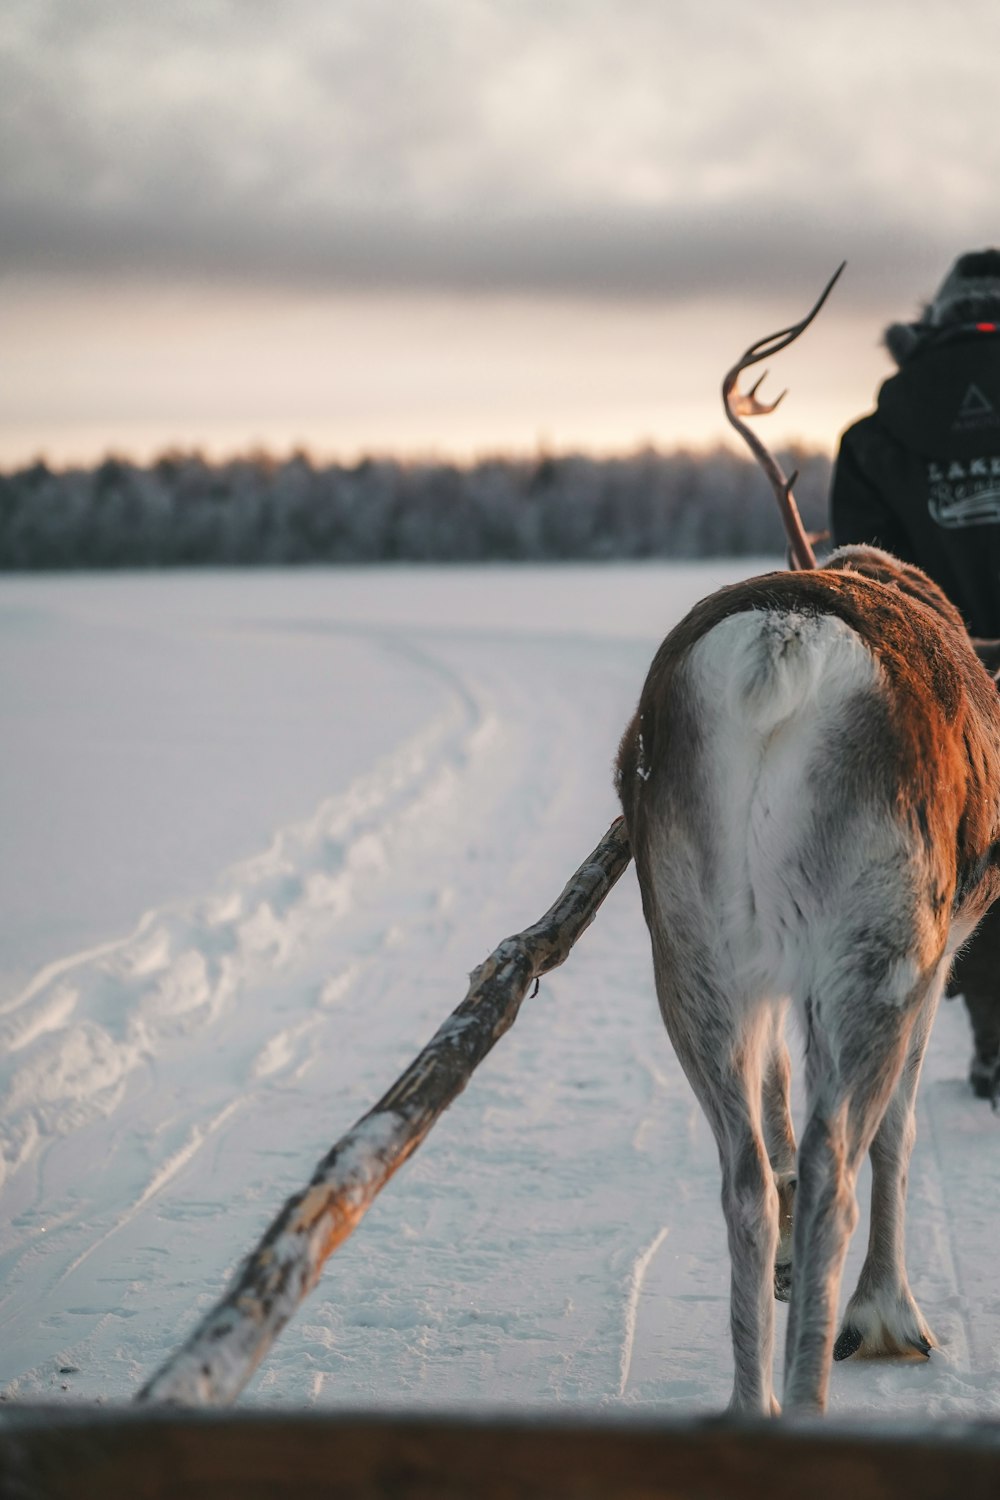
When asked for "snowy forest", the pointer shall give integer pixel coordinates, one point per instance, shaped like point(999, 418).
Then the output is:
point(183, 511)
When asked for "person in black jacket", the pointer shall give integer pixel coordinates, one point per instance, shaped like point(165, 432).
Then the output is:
point(920, 476)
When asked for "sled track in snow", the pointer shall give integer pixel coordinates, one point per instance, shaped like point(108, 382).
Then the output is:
point(311, 931)
point(70, 1039)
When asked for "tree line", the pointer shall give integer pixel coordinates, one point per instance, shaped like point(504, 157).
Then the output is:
point(183, 511)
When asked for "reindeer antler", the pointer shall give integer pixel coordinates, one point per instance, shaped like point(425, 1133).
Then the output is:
point(739, 405)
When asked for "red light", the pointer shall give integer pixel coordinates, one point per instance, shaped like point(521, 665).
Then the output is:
point(986, 327)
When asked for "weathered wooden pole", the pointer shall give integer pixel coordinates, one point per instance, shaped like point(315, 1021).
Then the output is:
point(216, 1362)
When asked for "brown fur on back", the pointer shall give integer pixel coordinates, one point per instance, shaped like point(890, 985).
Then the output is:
point(945, 706)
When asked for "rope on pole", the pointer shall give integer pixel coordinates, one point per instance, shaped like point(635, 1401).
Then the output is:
point(223, 1352)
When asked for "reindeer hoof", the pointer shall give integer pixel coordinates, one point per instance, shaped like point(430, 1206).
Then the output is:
point(783, 1281)
point(851, 1338)
point(849, 1341)
point(984, 1077)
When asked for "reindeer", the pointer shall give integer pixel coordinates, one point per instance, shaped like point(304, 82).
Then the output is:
point(811, 786)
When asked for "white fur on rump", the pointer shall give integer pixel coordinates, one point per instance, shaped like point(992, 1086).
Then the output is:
point(756, 677)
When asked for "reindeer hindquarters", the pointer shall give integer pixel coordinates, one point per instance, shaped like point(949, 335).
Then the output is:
point(775, 862)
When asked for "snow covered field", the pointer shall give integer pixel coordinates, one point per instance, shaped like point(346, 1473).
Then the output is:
point(257, 828)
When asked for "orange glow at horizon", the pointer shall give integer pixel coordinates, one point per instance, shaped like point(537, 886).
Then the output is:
point(86, 371)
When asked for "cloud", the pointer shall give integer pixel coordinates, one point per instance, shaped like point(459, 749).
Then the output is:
point(620, 148)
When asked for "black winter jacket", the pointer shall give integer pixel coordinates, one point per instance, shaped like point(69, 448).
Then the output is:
point(920, 476)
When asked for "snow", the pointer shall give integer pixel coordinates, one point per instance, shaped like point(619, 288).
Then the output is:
point(258, 828)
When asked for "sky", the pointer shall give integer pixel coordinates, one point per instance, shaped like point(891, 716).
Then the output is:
point(458, 227)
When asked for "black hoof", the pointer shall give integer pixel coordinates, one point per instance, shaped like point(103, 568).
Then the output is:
point(923, 1347)
point(848, 1343)
point(984, 1078)
point(783, 1281)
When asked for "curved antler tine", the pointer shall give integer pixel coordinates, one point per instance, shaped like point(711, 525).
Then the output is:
point(763, 407)
point(746, 404)
point(793, 333)
point(758, 383)
point(773, 342)
point(800, 550)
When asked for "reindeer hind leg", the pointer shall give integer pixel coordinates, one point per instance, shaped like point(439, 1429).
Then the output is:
point(779, 1134)
point(722, 1050)
point(882, 1316)
point(854, 1067)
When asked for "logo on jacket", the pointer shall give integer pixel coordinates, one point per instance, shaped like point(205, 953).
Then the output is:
point(975, 410)
point(964, 492)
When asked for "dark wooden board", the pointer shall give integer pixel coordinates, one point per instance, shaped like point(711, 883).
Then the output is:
point(147, 1453)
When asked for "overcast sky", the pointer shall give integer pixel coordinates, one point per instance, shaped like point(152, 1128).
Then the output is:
point(450, 224)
